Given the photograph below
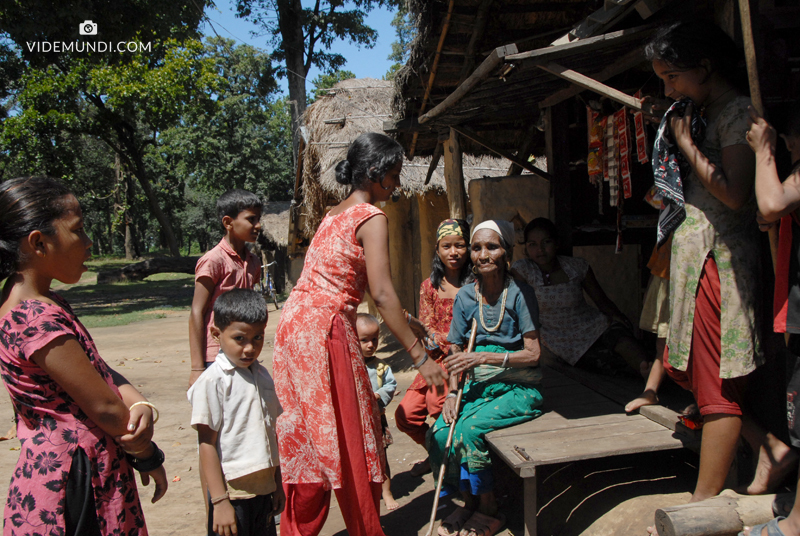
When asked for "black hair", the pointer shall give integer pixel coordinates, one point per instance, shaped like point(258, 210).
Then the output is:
point(27, 204)
point(792, 125)
point(232, 202)
point(685, 44)
point(369, 158)
point(437, 267)
point(239, 305)
point(541, 223)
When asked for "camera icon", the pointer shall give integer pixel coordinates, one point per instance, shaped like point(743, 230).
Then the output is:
point(87, 27)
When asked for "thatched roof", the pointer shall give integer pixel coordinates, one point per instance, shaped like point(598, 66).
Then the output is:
point(338, 117)
point(275, 223)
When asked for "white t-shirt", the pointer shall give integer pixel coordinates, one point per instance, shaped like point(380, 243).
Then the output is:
point(240, 404)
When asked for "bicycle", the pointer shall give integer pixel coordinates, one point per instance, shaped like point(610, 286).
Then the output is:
point(265, 285)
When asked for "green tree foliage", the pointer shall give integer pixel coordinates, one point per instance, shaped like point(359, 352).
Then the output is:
point(405, 32)
point(327, 81)
point(302, 37)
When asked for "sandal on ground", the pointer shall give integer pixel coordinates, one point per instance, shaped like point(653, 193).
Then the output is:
point(482, 525)
point(783, 504)
point(452, 524)
point(771, 526)
point(422, 467)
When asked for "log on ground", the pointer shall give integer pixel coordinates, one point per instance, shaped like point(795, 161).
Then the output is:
point(138, 271)
point(726, 514)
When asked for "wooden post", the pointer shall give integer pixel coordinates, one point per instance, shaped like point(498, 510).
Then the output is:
point(531, 505)
point(557, 150)
point(454, 177)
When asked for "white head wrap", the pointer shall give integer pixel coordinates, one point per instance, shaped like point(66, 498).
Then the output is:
point(501, 227)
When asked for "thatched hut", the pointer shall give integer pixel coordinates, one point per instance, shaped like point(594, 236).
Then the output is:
point(273, 239)
point(337, 118)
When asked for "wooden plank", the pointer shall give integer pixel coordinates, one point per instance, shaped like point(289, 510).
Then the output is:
point(585, 443)
point(437, 155)
point(531, 505)
point(604, 385)
point(663, 416)
point(553, 421)
point(481, 73)
point(629, 60)
point(469, 133)
point(454, 177)
point(592, 44)
point(586, 82)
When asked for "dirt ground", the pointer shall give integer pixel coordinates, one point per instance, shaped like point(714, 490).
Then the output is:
point(153, 355)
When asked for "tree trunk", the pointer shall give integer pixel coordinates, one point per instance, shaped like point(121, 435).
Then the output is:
point(291, 26)
point(166, 226)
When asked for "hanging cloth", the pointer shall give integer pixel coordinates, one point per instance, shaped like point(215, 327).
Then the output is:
point(670, 167)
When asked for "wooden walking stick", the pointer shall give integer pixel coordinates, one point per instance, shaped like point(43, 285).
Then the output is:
point(461, 381)
point(755, 97)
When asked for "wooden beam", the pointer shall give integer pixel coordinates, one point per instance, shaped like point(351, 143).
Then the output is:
point(557, 152)
point(437, 155)
point(477, 33)
point(524, 148)
point(629, 60)
point(548, 54)
point(454, 177)
point(481, 73)
point(589, 83)
point(471, 134)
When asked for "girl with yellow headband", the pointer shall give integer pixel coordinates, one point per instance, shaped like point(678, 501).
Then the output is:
point(450, 270)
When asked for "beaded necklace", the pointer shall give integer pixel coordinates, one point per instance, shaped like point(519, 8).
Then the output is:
point(479, 297)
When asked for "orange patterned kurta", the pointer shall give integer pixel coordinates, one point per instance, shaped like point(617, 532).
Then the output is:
point(333, 282)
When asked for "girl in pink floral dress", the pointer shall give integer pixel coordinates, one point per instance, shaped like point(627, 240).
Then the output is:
point(328, 434)
point(72, 477)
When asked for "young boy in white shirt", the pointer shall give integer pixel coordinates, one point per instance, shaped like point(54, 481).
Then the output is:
point(234, 408)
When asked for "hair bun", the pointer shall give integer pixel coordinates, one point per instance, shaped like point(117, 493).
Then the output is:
point(344, 172)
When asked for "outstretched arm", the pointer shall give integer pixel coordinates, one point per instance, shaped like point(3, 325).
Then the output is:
point(203, 289)
point(374, 238)
point(602, 301)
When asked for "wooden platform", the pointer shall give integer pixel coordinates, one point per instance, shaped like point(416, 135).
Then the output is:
point(579, 423)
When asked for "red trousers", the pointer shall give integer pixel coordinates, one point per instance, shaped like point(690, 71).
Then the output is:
point(412, 413)
point(307, 505)
point(713, 394)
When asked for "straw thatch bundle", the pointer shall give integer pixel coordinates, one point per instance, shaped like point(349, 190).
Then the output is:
point(274, 225)
point(338, 117)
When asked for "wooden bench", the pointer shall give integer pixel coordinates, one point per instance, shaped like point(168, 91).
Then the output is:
point(578, 424)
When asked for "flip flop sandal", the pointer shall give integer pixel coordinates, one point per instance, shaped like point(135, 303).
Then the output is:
point(782, 504)
point(771, 526)
point(482, 525)
point(452, 524)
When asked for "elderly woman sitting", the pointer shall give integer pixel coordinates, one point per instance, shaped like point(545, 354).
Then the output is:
point(501, 391)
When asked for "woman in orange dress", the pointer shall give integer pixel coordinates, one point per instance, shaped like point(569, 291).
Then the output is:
point(328, 434)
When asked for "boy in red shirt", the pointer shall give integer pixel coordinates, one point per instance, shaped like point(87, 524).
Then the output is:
point(227, 266)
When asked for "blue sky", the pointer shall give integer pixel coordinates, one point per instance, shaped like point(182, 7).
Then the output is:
point(363, 62)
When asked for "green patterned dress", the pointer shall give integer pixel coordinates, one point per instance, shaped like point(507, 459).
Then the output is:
point(731, 238)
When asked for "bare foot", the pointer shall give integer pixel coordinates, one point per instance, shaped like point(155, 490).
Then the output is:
point(784, 525)
point(11, 434)
point(774, 464)
point(421, 467)
point(388, 500)
point(648, 398)
point(652, 531)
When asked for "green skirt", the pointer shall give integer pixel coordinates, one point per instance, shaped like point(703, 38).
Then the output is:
point(486, 406)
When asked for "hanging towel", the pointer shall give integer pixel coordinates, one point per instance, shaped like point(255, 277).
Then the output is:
point(670, 166)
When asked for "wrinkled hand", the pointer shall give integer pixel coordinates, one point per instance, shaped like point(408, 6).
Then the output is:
point(419, 329)
point(449, 410)
point(761, 136)
point(459, 362)
point(278, 501)
point(193, 377)
point(140, 426)
point(433, 375)
point(159, 476)
point(764, 225)
point(681, 127)
point(224, 519)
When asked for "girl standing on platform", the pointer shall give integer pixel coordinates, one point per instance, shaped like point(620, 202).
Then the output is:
point(450, 270)
point(329, 432)
point(72, 477)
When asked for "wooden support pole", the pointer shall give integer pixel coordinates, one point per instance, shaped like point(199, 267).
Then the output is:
point(624, 63)
point(724, 515)
point(524, 149)
point(471, 134)
point(557, 151)
point(437, 155)
point(598, 87)
point(454, 177)
point(481, 73)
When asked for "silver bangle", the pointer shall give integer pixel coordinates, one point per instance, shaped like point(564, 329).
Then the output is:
point(451, 395)
point(505, 361)
point(421, 362)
